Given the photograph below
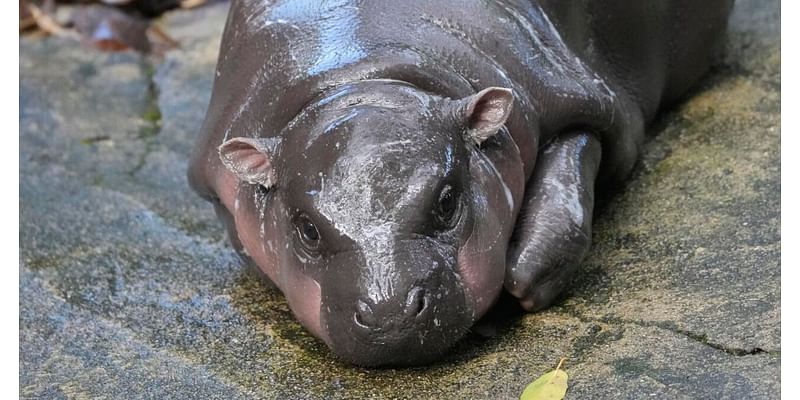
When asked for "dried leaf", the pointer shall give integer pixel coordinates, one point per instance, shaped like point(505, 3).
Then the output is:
point(46, 22)
point(186, 4)
point(550, 386)
point(116, 2)
point(160, 42)
point(26, 20)
point(110, 29)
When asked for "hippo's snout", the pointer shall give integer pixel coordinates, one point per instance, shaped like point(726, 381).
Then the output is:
point(379, 318)
point(411, 326)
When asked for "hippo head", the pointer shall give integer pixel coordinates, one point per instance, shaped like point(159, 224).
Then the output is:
point(378, 217)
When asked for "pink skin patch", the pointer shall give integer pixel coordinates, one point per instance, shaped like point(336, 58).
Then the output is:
point(482, 258)
point(304, 297)
point(302, 292)
point(482, 277)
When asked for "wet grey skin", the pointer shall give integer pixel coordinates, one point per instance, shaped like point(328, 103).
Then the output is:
point(392, 166)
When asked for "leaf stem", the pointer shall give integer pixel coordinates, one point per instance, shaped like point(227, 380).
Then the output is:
point(560, 362)
point(555, 372)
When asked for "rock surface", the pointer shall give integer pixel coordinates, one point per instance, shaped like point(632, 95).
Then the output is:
point(129, 289)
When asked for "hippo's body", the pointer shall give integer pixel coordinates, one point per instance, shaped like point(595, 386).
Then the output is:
point(392, 165)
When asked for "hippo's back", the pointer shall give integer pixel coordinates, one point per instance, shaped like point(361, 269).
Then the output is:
point(653, 50)
point(276, 56)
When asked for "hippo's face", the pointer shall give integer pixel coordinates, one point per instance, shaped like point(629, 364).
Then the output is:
point(371, 200)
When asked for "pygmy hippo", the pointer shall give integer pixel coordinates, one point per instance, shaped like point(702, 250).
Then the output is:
point(392, 166)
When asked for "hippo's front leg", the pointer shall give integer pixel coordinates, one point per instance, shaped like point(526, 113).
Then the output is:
point(554, 229)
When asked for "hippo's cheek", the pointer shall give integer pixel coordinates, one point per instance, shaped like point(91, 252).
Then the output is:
point(301, 291)
point(260, 239)
point(304, 296)
point(497, 189)
point(482, 274)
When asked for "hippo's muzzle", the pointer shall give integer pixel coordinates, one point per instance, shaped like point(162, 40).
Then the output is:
point(409, 311)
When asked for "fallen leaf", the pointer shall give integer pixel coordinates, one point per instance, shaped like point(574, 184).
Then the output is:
point(160, 42)
point(186, 4)
point(45, 21)
point(26, 20)
point(550, 386)
point(108, 28)
point(116, 2)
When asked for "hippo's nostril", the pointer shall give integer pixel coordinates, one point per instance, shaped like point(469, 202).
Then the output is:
point(416, 302)
point(364, 316)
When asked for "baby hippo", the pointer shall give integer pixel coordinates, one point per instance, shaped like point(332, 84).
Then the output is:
point(392, 166)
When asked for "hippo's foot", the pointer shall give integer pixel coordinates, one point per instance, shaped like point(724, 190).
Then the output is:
point(554, 229)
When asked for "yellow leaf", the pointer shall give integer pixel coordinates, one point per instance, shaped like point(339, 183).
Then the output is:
point(550, 386)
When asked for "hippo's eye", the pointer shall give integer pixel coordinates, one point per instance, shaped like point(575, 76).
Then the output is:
point(307, 232)
point(449, 206)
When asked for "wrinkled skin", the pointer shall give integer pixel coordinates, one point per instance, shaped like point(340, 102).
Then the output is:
point(392, 166)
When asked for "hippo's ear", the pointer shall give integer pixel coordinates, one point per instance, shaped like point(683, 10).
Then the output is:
point(486, 112)
point(250, 159)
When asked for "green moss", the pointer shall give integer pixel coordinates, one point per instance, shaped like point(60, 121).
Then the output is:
point(95, 139)
point(152, 111)
point(152, 114)
point(97, 180)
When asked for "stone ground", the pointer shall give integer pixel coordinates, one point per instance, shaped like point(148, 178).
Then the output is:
point(129, 289)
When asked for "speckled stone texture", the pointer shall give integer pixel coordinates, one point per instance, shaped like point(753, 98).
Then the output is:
point(128, 288)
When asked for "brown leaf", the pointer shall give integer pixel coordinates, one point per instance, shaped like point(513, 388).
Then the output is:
point(46, 22)
point(160, 42)
point(110, 29)
point(116, 2)
point(186, 4)
point(26, 20)
point(114, 25)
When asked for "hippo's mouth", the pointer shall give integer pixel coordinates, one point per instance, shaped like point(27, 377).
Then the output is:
point(416, 345)
point(416, 337)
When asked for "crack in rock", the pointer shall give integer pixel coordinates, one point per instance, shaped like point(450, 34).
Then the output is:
point(701, 338)
point(152, 116)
